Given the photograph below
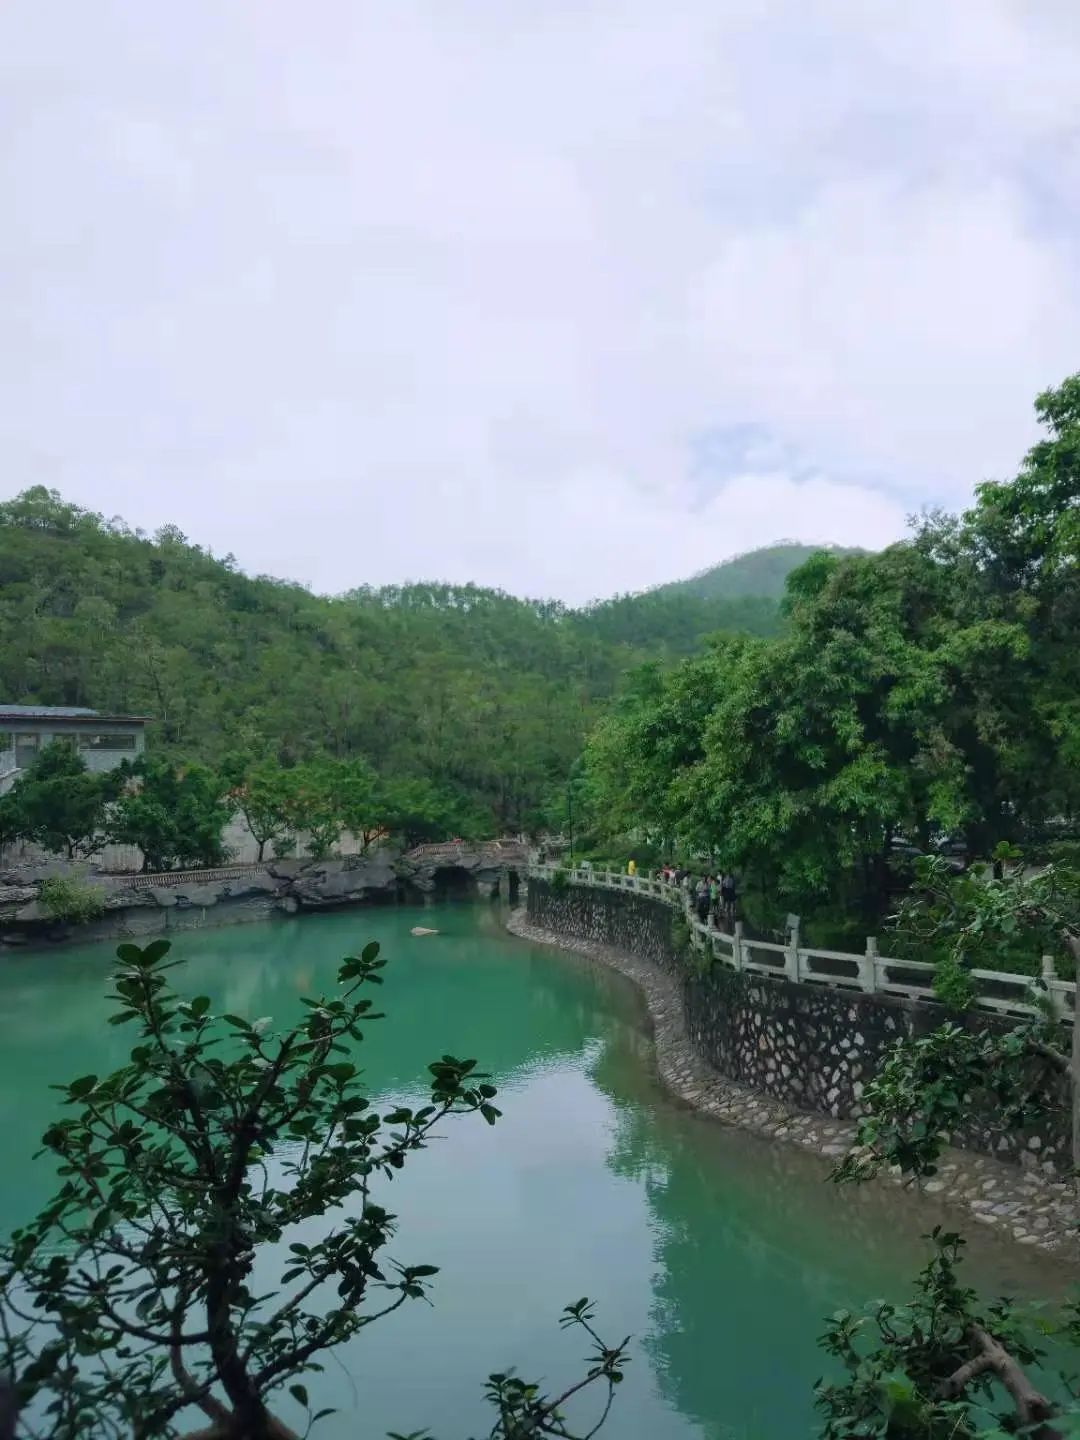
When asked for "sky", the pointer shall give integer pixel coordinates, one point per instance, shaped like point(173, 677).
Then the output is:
point(566, 298)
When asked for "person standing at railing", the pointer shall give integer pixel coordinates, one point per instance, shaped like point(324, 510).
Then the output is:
point(631, 867)
point(701, 899)
point(728, 896)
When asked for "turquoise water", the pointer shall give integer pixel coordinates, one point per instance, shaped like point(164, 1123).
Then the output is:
point(719, 1253)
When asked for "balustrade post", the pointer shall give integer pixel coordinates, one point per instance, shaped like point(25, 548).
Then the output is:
point(737, 945)
point(1049, 975)
point(868, 965)
point(791, 959)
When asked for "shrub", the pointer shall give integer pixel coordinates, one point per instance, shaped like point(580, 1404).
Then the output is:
point(560, 883)
point(63, 898)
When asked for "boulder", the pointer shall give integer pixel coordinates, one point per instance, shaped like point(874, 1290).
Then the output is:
point(325, 883)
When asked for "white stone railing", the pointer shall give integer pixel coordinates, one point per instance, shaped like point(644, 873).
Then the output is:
point(868, 972)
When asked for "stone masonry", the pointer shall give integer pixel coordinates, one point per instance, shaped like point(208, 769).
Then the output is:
point(790, 1061)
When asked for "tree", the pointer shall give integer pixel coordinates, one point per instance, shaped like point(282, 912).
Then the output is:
point(130, 1298)
point(260, 791)
point(419, 811)
point(12, 822)
point(312, 805)
point(60, 804)
point(174, 813)
point(357, 796)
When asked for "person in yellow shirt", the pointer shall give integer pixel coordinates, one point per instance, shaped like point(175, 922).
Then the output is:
point(631, 867)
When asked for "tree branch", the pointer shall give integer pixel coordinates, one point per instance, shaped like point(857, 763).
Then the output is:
point(1032, 1406)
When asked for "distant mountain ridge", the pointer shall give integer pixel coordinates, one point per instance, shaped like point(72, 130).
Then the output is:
point(761, 572)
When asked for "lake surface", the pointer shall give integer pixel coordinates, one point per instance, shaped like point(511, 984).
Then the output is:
point(719, 1252)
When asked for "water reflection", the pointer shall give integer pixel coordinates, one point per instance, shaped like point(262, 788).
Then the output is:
point(719, 1252)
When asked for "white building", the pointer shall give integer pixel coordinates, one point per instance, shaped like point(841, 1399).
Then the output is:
point(104, 741)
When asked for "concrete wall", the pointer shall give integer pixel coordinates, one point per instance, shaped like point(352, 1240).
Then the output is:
point(812, 1046)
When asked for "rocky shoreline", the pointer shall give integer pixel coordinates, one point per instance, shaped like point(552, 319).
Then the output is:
point(1033, 1209)
point(136, 906)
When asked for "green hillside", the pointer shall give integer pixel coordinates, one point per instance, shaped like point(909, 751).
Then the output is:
point(758, 573)
point(485, 693)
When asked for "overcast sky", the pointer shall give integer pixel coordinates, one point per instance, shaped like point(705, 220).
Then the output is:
point(565, 296)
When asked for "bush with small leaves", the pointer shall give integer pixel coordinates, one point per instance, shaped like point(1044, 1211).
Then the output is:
point(64, 898)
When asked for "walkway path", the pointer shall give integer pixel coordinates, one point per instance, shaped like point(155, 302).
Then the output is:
point(1033, 1209)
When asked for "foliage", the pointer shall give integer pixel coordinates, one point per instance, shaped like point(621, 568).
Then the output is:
point(260, 791)
point(920, 694)
point(59, 804)
point(11, 820)
point(925, 1084)
point(560, 882)
point(130, 1298)
point(66, 898)
point(983, 920)
point(943, 1367)
point(174, 813)
point(760, 572)
point(484, 696)
point(419, 811)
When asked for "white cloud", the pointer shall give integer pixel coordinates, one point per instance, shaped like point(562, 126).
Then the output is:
point(457, 288)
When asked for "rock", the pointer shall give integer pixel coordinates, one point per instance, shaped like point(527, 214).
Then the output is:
point(422, 930)
point(325, 883)
point(17, 894)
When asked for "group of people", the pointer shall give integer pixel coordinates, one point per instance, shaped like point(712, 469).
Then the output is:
point(713, 897)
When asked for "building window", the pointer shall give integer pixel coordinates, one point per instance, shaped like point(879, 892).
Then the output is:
point(7, 740)
point(107, 742)
point(26, 749)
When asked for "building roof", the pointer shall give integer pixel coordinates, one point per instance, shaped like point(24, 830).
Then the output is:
point(74, 713)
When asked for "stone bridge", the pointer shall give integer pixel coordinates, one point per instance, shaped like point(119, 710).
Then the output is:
point(483, 868)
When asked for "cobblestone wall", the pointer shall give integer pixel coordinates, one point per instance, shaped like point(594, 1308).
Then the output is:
point(804, 1044)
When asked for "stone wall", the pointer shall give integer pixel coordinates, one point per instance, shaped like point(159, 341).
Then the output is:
point(808, 1045)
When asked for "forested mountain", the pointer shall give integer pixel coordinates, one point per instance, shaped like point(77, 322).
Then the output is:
point(482, 692)
point(761, 572)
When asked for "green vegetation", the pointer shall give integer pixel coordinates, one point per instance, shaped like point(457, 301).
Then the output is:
point(761, 572)
point(129, 1301)
point(948, 1366)
point(58, 804)
point(65, 898)
point(482, 696)
point(925, 1084)
point(174, 813)
point(920, 694)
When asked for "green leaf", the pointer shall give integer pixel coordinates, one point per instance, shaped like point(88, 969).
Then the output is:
point(490, 1113)
point(78, 1088)
point(370, 951)
point(299, 1394)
